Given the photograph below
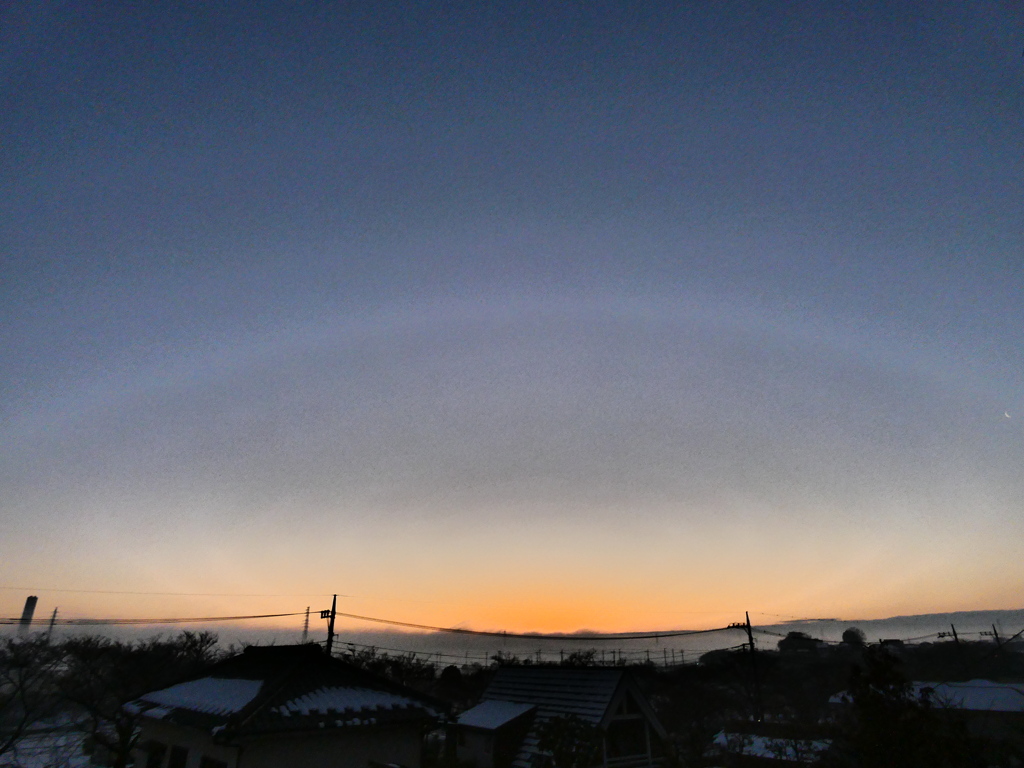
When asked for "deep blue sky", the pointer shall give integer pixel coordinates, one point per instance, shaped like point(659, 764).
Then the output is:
point(633, 284)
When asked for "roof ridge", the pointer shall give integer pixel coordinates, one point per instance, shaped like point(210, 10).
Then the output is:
point(266, 694)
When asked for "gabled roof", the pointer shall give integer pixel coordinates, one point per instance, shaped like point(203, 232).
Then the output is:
point(279, 689)
point(593, 694)
point(584, 692)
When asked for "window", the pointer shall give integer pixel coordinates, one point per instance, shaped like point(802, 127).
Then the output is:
point(628, 705)
point(627, 738)
point(178, 758)
point(155, 752)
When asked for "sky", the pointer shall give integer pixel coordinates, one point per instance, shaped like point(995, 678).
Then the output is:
point(524, 316)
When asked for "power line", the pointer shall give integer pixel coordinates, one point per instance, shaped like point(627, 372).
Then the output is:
point(169, 594)
point(194, 620)
point(393, 622)
point(538, 636)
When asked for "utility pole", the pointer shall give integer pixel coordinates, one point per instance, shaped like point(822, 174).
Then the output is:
point(329, 615)
point(305, 627)
point(758, 709)
point(956, 641)
point(994, 634)
point(53, 620)
point(953, 634)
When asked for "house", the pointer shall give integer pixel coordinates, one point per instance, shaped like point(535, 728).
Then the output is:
point(991, 710)
point(503, 730)
point(282, 705)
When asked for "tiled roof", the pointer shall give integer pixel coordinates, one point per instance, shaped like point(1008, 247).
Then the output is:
point(212, 695)
point(279, 689)
point(344, 699)
point(584, 692)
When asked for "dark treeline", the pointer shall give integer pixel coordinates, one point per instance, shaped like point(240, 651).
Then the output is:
point(791, 689)
point(785, 691)
point(85, 681)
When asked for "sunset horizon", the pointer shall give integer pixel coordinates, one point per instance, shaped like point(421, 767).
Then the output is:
point(538, 318)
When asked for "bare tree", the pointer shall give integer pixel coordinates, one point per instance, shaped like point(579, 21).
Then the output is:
point(570, 741)
point(28, 691)
point(102, 675)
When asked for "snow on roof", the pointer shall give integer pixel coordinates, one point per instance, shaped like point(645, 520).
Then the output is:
point(493, 714)
point(212, 695)
point(342, 699)
point(976, 695)
point(789, 750)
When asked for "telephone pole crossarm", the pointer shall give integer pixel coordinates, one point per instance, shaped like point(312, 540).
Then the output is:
point(330, 616)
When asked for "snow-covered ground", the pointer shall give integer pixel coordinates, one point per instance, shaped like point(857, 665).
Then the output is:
point(49, 745)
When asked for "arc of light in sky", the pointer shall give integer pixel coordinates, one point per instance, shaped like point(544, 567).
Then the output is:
point(231, 355)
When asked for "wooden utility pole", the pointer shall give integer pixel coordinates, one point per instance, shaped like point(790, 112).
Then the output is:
point(305, 627)
point(758, 709)
point(49, 630)
point(959, 648)
point(329, 615)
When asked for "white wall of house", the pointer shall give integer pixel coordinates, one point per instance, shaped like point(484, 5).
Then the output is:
point(343, 748)
point(198, 743)
point(354, 749)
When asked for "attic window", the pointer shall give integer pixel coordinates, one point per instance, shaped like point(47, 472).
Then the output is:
point(628, 706)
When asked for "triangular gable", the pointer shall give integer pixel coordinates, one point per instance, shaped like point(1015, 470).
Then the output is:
point(629, 699)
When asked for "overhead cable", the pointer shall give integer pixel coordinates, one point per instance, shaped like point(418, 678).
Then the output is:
point(193, 620)
point(538, 636)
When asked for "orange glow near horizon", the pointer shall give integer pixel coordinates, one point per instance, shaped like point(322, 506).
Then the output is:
point(529, 610)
